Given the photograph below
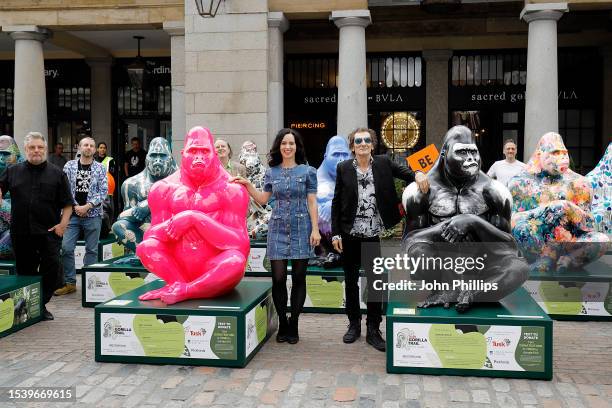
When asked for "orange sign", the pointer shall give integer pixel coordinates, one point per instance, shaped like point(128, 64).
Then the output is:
point(424, 159)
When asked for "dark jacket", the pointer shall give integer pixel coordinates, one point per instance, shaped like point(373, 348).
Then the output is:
point(344, 203)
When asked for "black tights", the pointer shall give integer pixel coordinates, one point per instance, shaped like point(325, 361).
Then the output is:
point(298, 286)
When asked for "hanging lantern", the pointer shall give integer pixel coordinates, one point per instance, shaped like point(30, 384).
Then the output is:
point(136, 70)
point(208, 8)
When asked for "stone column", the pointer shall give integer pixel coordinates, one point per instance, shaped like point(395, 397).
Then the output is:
point(176, 30)
point(30, 105)
point(436, 95)
point(101, 100)
point(352, 85)
point(277, 25)
point(542, 96)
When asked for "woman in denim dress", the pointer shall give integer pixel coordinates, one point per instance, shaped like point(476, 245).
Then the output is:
point(293, 230)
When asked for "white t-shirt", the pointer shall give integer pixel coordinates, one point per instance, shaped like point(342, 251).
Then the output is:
point(503, 171)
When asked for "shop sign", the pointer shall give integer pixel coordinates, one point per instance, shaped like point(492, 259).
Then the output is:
point(51, 73)
point(496, 96)
point(308, 125)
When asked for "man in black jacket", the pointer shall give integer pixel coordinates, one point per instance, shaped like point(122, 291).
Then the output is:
point(41, 205)
point(364, 204)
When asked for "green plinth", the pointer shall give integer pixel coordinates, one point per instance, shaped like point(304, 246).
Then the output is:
point(584, 294)
point(107, 248)
point(105, 280)
point(20, 302)
point(512, 339)
point(7, 267)
point(226, 331)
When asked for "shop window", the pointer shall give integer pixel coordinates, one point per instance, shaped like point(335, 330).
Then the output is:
point(382, 72)
point(577, 127)
point(73, 99)
point(6, 102)
point(484, 69)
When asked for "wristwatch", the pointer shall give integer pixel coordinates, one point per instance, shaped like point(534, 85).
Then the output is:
point(336, 238)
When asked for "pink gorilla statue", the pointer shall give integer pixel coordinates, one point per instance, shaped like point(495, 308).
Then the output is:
point(198, 241)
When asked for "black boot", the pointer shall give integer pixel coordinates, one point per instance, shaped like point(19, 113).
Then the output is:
point(283, 329)
point(353, 332)
point(374, 337)
point(293, 335)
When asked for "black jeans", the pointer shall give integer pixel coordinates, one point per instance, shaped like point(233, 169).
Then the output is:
point(351, 261)
point(39, 254)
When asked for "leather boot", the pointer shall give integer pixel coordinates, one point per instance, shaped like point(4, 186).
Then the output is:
point(283, 328)
point(374, 338)
point(353, 332)
point(293, 335)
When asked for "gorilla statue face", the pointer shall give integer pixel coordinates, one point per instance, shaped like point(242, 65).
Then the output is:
point(459, 158)
point(9, 152)
point(463, 160)
point(159, 161)
point(337, 150)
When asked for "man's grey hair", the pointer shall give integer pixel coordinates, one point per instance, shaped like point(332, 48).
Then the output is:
point(34, 136)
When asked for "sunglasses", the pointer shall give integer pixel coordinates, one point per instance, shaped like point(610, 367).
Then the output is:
point(359, 140)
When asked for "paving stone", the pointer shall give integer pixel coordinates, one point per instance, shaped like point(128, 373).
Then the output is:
point(527, 398)
point(302, 376)
point(123, 390)
point(320, 394)
point(345, 394)
point(390, 404)
point(297, 389)
point(412, 392)
point(203, 398)
point(228, 398)
point(432, 384)
point(458, 396)
point(481, 396)
point(346, 379)
point(280, 381)
point(172, 382)
point(366, 402)
point(544, 390)
point(392, 393)
point(254, 388)
point(262, 374)
point(505, 400)
point(269, 397)
point(434, 400)
point(500, 385)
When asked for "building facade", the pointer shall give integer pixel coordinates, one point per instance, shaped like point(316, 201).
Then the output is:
point(408, 69)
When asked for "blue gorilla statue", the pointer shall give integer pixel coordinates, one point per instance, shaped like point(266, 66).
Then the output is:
point(337, 150)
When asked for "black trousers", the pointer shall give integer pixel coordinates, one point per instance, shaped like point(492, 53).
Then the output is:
point(39, 254)
point(352, 259)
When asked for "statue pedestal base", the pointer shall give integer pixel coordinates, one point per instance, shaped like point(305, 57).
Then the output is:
point(512, 338)
point(20, 302)
point(7, 267)
point(107, 248)
point(584, 294)
point(226, 331)
point(324, 289)
point(103, 281)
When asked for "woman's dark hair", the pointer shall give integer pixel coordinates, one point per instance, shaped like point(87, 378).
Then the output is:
point(274, 156)
point(102, 143)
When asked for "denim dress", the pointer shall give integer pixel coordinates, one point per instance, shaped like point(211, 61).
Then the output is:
point(289, 227)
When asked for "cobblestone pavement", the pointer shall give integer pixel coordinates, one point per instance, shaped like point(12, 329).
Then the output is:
point(320, 371)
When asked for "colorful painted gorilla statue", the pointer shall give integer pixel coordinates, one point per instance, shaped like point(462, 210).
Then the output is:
point(136, 215)
point(337, 150)
point(552, 220)
point(258, 216)
point(9, 154)
point(601, 182)
point(470, 212)
point(198, 241)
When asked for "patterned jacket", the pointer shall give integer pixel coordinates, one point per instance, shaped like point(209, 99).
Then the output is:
point(98, 189)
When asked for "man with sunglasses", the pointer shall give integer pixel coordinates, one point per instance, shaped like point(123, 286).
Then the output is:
point(364, 205)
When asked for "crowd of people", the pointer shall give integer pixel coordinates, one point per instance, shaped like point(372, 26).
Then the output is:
point(55, 201)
